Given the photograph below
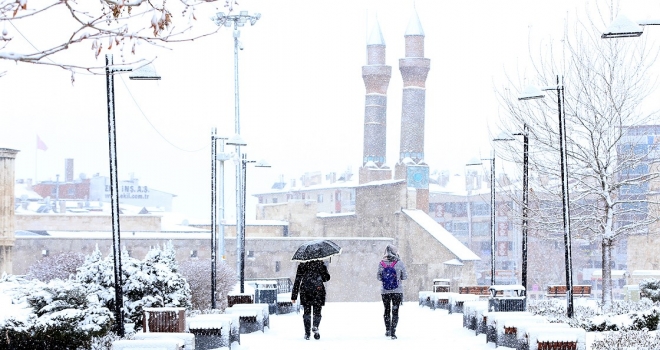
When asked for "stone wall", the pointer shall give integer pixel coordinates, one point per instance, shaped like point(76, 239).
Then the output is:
point(86, 222)
point(353, 273)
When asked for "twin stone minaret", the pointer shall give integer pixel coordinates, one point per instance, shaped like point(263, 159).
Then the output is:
point(376, 75)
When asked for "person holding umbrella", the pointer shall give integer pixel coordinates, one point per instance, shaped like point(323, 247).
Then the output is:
point(309, 283)
point(391, 271)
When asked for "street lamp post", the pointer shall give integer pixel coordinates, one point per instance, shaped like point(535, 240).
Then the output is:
point(217, 240)
point(525, 196)
point(532, 92)
point(244, 162)
point(141, 74)
point(238, 20)
point(492, 211)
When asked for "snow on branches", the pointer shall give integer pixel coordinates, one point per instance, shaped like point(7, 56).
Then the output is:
point(107, 24)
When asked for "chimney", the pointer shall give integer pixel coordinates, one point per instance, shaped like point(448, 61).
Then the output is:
point(68, 170)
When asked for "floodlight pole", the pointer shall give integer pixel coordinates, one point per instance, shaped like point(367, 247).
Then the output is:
point(238, 20)
point(565, 197)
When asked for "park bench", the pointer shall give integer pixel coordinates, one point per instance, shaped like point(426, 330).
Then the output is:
point(524, 330)
point(509, 298)
point(507, 325)
point(490, 320)
point(214, 330)
point(252, 317)
point(557, 339)
point(470, 311)
point(457, 301)
point(164, 319)
point(441, 285)
point(560, 291)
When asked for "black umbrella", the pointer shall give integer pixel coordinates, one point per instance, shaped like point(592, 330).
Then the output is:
point(316, 250)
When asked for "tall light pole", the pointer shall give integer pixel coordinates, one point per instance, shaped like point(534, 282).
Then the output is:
point(238, 20)
point(492, 211)
point(243, 163)
point(525, 195)
point(217, 240)
point(533, 92)
point(142, 74)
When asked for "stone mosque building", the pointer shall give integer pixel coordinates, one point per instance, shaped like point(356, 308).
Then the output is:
point(388, 203)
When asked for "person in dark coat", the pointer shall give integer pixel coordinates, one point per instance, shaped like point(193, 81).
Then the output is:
point(392, 296)
point(310, 277)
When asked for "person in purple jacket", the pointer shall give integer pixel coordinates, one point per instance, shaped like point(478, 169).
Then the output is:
point(391, 273)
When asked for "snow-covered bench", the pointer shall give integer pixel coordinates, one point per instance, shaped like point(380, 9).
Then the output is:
point(284, 304)
point(152, 344)
point(481, 291)
point(457, 301)
point(491, 322)
point(214, 330)
point(470, 309)
point(424, 299)
point(252, 317)
point(440, 300)
point(187, 338)
point(557, 338)
point(506, 328)
point(555, 291)
point(523, 331)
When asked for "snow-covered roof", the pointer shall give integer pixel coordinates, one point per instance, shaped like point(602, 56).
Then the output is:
point(286, 187)
point(507, 287)
point(21, 191)
point(334, 215)
point(414, 25)
point(441, 234)
point(380, 183)
point(454, 262)
point(376, 36)
point(646, 273)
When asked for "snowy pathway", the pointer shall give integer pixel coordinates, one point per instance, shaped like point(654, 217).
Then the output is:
point(360, 326)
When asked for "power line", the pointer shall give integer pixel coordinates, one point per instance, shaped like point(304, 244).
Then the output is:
point(153, 126)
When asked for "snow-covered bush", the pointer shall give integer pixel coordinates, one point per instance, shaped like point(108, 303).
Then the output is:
point(627, 340)
point(58, 315)
point(650, 288)
point(60, 266)
point(198, 275)
point(621, 315)
point(153, 282)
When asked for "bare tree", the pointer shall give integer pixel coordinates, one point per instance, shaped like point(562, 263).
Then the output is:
point(59, 266)
point(105, 24)
point(198, 275)
point(610, 159)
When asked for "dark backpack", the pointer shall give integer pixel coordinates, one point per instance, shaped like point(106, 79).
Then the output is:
point(312, 281)
point(388, 276)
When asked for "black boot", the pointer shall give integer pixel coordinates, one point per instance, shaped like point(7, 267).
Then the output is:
point(395, 321)
point(307, 321)
point(315, 328)
point(387, 325)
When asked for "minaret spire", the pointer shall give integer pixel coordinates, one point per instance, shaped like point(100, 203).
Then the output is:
point(414, 69)
point(376, 76)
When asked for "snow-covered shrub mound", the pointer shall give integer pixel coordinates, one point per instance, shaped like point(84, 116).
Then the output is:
point(650, 288)
point(152, 282)
point(634, 340)
point(57, 315)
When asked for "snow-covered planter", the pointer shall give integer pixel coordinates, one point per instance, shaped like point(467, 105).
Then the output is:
point(626, 340)
point(57, 315)
point(650, 288)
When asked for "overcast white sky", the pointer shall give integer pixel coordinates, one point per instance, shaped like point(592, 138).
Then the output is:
point(301, 93)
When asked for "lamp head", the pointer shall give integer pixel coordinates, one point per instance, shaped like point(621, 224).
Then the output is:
point(474, 161)
point(504, 136)
point(622, 27)
point(530, 93)
point(146, 72)
point(236, 140)
point(262, 164)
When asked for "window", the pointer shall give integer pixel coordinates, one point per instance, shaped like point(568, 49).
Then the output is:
point(481, 228)
point(193, 253)
point(53, 190)
point(480, 209)
point(319, 198)
point(274, 200)
point(71, 191)
point(277, 266)
point(250, 254)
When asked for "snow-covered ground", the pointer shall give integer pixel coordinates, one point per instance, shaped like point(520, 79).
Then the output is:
point(360, 326)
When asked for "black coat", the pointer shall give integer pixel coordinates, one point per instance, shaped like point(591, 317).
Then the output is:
point(310, 296)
